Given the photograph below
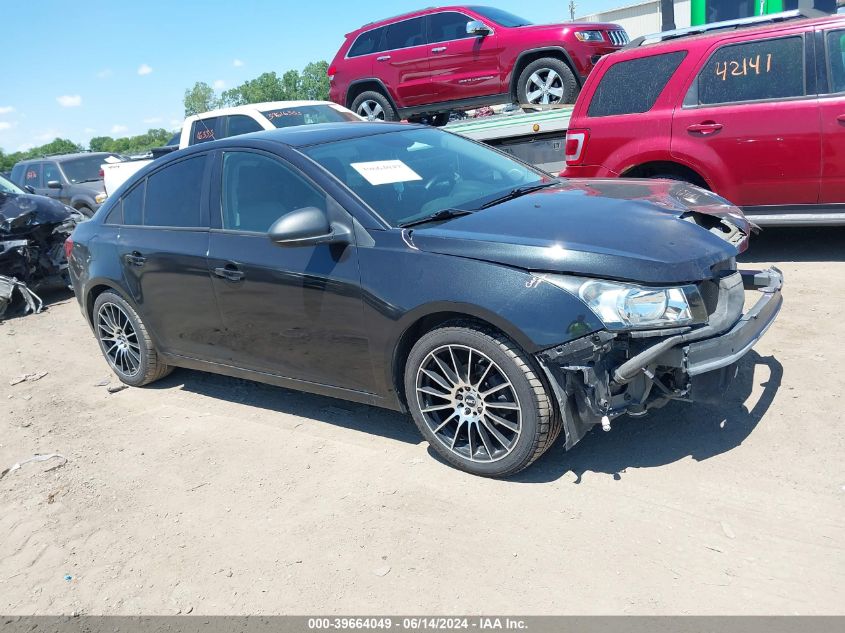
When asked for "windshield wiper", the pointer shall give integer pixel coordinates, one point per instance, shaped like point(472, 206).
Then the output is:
point(443, 214)
point(517, 192)
point(79, 182)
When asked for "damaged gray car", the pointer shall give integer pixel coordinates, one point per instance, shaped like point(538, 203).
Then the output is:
point(33, 230)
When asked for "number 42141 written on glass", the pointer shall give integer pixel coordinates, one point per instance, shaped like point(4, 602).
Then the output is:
point(749, 65)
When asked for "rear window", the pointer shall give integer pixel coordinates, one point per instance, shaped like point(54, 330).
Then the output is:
point(368, 42)
point(633, 86)
point(308, 115)
point(753, 71)
point(83, 169)
point(203, 130)
point(174, 194)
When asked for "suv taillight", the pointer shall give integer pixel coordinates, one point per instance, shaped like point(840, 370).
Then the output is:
point(331, 72)
point(576, 140)
point(68, 248)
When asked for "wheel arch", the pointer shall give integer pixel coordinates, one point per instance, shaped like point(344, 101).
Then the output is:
point(95, 289)
point(363, 85)
point(422, 323)
point(652, 168)
point(532, 55)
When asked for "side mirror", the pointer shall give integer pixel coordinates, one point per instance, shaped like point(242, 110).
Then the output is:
point(29, 188)
point(54, 184)
point(306, 227)
point(477, 27)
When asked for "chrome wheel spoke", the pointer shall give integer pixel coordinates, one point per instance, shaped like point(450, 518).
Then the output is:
point(556, 92)
point(484, 394)
point(501, 439)
point(452, 377)
point(444, 382)
point(534, 96)
point(512, 406)
point(434, 392)
point(485, 440)
point(512, 426)
point(118, 339)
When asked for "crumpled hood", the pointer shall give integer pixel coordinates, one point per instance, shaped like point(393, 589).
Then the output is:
point(650, 231)
point(20, 212)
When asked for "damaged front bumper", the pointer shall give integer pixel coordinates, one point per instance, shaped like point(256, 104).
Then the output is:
point(607, 374)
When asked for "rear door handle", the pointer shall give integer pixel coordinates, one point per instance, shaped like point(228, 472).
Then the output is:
point(438, 49)
point(841, 118)
point(229, 272)
point(383, 58)
point(704, 128)
point(135, 259)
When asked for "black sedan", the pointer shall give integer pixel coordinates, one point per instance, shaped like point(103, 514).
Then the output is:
point(409, 268)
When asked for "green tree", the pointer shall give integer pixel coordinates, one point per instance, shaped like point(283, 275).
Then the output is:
point(315, 82)
point(56, 146)
point(199, 99)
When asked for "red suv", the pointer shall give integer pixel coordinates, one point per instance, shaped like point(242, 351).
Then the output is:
point(429, 62)
point(755, 113)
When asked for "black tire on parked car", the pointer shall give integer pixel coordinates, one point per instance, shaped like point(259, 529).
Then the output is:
point(374, 106)
point(479, 401)
point(124, 341)
point(86, 211)
point(546, 81)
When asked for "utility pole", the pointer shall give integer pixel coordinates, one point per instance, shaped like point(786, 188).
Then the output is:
point(667, 11)
point(572, 7)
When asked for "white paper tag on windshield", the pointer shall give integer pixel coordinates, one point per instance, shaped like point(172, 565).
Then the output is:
point(386, 172)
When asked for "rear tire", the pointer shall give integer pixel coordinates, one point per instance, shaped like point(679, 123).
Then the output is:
point(125, 342)
point(374, 106)
point(86, 211)
point(477, 399)
point(546, 81)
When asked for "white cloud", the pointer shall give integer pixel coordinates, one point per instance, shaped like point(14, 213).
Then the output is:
point(49, 135)
point(90, 130)
point(219, 84)
point(152, 119)
point(144, 69)
point(103, 74)
point(5, 125)
point(119, 129)
point(6, 109)
point(237, 63)
point(69, 101)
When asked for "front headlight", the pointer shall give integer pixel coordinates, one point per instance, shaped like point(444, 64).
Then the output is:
point(589, 36)
point(622, 306)
point(100, 198)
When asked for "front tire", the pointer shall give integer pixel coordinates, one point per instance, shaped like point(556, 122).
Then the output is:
point(546, 81)
point(125, 343)
point(374, 106)
point(477, 399)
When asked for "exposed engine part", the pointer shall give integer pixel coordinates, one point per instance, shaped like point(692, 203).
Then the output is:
point(31, 300)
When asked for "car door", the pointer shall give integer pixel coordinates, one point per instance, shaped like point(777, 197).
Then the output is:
point(462, 65)
point(290, 311)
point(832, 109)
point(403, 63)
point(162, 247)
point(53, 175)
point(751, 117)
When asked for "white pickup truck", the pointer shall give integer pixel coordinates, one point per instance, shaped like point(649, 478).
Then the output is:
point(226, 122)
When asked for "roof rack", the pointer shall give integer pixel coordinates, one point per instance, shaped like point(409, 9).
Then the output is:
point(82, 151)
point(728, 24)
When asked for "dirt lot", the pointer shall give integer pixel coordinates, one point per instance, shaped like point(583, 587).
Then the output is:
point(211, 495)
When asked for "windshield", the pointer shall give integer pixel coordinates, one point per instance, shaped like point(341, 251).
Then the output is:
point(502, 18)
point(412, 174)
point(308, 115)
point(85, 169)
point(8, 187)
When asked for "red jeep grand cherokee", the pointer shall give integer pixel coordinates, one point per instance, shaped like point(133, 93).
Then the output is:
point(754, 113)
point(431, 61)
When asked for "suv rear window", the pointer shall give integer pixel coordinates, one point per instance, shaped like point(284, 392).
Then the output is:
point(753, 71)
point(368, 42)
point(632, 86)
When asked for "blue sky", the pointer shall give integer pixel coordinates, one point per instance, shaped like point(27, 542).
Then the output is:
point(83, 68)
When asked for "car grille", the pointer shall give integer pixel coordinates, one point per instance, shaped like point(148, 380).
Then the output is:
point(618, 37)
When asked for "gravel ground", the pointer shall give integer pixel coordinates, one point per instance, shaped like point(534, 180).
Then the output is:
point(209, 495)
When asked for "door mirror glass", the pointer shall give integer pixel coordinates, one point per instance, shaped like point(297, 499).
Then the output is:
point(302, 227)
point(54, 184)
point(477, 27)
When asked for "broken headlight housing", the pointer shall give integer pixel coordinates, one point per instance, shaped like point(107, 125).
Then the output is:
point(624, 306)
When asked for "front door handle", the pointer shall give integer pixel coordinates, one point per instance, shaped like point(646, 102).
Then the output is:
point(135, 259)
point(841, 118)
point(704, 129)
point(438, 49)
point(229, 272)
point(383, 58)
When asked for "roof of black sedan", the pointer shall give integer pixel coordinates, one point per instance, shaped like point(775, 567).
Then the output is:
point(303, 135)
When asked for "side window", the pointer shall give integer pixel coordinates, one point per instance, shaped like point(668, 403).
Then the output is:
point(633, 86)
point(405, 34)
point(32, 177)
point(174, 193)
point(51, 172)
point(368, 42)
point(132, 206)
point(204, 130)
point(257, 190)
point(17, 174)
point(241, 124)
point(753, 71)
point(836, 60)
point(446, 26)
